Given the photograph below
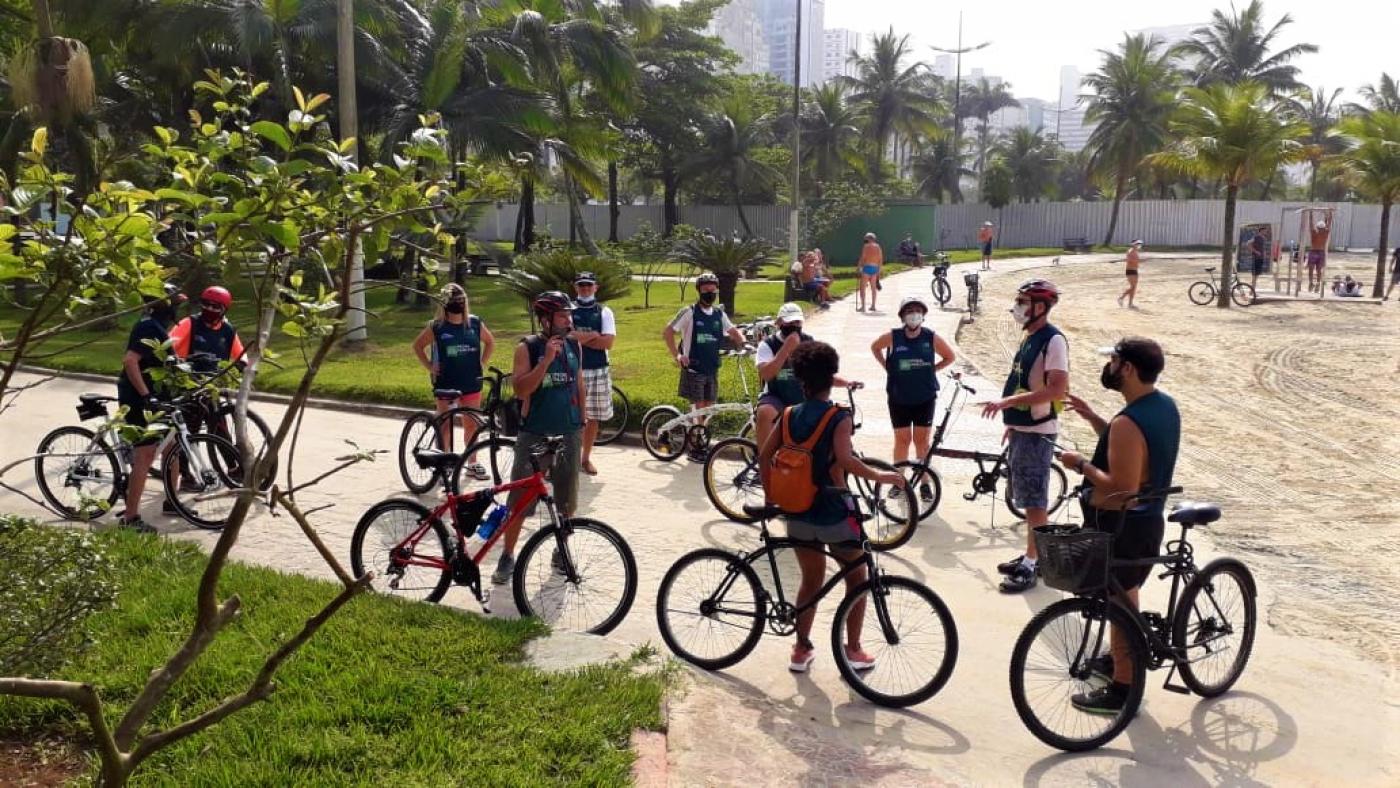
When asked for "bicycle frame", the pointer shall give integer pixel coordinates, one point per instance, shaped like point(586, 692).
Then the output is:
point(534, 490)
point(689, 419)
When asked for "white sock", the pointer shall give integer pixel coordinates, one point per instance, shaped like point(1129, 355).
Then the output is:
point(1027, 562)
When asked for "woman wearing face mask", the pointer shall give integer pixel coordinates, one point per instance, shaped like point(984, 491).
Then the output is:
point(461, 348)
point(773, 357)
point(911, 383)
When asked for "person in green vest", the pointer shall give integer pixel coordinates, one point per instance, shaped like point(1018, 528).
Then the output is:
point(595, 328)
point(454, 348)
point(1137, 451)
point(701, 330)
point(912, 356)
point(548, 381)
point(773, 357)
point(1030, 407)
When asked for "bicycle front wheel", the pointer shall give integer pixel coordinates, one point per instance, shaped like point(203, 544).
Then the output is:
point(1201, 293)
point(942, 292)
point(406, 548)
point(77, 473)
point(580, 577)
point(496, 454)
point(1055, 487)
point(1242, 294)
point(924, 482)
point(667, 445)
point(613, 428)
point(419, 432)
point(892, 515)
point(710, 609)
point(908, 632)
point(202, 485)
point(1214, 627)
point(1052, 662)
point(732, 479)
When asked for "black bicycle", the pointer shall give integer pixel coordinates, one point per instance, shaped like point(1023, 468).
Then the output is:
point(712, 609)
point(974, 290)
point(942, 291)
point(991, 468)
point(1203, 293)
point(1206, 633)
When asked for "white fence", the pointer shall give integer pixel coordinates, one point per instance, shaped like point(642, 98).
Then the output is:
point(766, 221)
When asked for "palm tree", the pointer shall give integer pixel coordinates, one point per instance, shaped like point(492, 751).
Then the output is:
point(892, 96)
point(1236, 47)
point(830, 133)
point(1318, 110)
point(1134, 95)
point(1370, 163)
point(937, 172)
point(726, 258)
point(1032, 161)
point(1235, 134)
point(981, 101)
point(1384, 96)
point(732, 137)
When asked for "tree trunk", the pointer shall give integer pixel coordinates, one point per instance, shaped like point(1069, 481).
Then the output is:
point(42, 18)
point(1227, 268)
point(408, 270)
point(670, 186)
point(739, 208)
point(1312, 185)
point(525, 217)
point(613, 211)
point(1269, 184)
point(728, 283)
point(576, 222)
point(1117, 203)
point(1378, 290)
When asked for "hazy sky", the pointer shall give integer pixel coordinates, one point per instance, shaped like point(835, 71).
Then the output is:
point(1033, 38)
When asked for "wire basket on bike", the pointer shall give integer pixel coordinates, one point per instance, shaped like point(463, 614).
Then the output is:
point(970, 279)
point(1073, 559)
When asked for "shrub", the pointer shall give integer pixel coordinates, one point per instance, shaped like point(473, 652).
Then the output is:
point(554, 269)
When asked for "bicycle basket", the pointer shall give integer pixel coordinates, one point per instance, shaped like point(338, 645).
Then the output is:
point(91, 410)
point(510, 417)
point(1073, 559)
point(970, 279)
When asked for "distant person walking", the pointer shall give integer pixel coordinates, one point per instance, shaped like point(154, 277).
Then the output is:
point(1259, 257)
point(984, 237)
point(872, 262)
point(1317, 253)
point(1134, 260)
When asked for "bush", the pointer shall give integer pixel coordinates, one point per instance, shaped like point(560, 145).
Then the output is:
point(554, 269)
point(54, 579)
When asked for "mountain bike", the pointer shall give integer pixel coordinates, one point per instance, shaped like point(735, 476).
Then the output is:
point(942, 291)
point(1206, 633)
point(712, 609)
point(974, 290)
point(1203, 293)
point(732, 483)
point(576, 574)
point(667, 433)
point(991, 468)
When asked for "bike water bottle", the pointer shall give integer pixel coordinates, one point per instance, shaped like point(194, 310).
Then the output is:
point(492, 522)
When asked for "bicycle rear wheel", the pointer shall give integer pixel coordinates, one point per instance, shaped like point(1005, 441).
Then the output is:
point(613, 428)
point(1054, 490)
point(732, 479)
point(892, 517)
point(494, 453)
point(1051, 663)
point(710, 609)
point(396, 539)
point(201, 485)
point(1242, 294)
point(1201, 293)
point(580, 577)
point(1214, 627)
point(664, 446)
point(909, 632)
point(942, 293)
point(919, 475)
point(78, 474)
point(419, 432)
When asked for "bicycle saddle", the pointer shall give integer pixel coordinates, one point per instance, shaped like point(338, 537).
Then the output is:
point(1190, 514)
point(762, 511)
point(447, 393)
point(434, 459)
point(1209, 270)
point(95, 399)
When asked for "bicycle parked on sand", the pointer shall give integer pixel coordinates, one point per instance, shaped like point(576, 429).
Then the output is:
point(942, 291)
point(1206, 633)
point(1203, 293)
point(712, 609)
point(667, 433)
point(576, 574)
point(974, 290)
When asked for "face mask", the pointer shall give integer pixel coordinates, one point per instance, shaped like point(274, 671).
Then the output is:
point(211, 316)
point(586, 300)
point(165, 313)
point(1113, 381)
point(708, 297)
point(456, 307)
point(788, 331)
point(914, 319)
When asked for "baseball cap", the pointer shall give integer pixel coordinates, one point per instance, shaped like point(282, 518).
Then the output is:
point(585, 277)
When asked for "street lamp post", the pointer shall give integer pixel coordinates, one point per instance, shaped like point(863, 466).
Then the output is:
point(795, 219)
point(959, 51)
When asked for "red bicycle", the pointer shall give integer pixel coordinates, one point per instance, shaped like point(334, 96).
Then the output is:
point(586, 583)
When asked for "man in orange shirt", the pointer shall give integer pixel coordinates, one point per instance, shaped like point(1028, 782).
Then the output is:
point(872, 262)
point(209, 338)
point(984, 237)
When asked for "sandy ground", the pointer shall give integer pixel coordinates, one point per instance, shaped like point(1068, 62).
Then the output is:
point(1289, 421)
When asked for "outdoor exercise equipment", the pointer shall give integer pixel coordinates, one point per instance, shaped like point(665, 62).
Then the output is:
point(1308, 217)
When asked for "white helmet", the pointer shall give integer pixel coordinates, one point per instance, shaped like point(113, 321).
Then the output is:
point(912, 301)
point(1322, 225)
point(790, 313)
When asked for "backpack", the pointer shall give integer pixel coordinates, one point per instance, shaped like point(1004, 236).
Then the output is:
point(791, 483)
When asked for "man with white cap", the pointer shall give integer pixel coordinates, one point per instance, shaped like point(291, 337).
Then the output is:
point(1317, 253)
point(984, 237)
point(1134, 259)
point(781, 389)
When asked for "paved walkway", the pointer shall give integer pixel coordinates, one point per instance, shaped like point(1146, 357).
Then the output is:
point(757, 724)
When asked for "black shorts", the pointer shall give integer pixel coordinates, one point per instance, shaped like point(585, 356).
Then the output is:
point(136, 414)
point(920, 415)
point(1130, 272)
point(1135, 535)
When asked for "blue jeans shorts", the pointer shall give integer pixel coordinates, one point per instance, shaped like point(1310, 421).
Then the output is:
point(1028, 457)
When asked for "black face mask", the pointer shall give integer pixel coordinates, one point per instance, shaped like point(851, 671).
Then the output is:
point(165, 313)
point(788, 331)
point(708, 297)
point(1113, 381)
point(211, 316)
point(456, 307)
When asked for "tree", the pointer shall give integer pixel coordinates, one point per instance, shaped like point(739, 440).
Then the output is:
point(1319, 111)
point(830, 134)
point(1031, 160)
point(891, 96)
point(937, 172)
point(998, 184)
point(733, 138)
point(983, 100)
point(727, 259)
point(1134, 95)
point(1370, 163)
point(1237, 47)
point(1384, 96)
point(1232, 133)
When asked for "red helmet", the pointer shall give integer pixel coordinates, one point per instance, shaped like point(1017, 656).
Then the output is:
point(1042, 290)
point(551, 302)
point(217, 295)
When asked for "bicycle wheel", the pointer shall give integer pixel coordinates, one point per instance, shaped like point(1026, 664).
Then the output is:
point(918, 475)
point(942, 293)
point(495, 453)
point(1050, 664)
point(710, 609)
point(419, 432)
point(580, 578)
point(665, 446)
point(78, 474)
point(613, 428)
point(1242, 294)
point(199, 485)
point(1201, 293)
point(892, 518)
point(1054, 490)
point(401, 543)
point(909, 632)
point(259, 435)
point(731, 478)
point(1214, 627)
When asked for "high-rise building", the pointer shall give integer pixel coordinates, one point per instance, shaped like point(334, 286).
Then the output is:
point(740, 26)
point(1068, 124)
point(779, 18)
point(839, 44)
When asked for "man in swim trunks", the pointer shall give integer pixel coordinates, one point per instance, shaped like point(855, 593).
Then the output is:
point(1134, 259)
point(872, 261)
point(984, 237)
point(1317, 253)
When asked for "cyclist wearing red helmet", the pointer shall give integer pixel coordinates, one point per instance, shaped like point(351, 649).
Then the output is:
point(209, 338)
point(1030, 405)
point(548, 381)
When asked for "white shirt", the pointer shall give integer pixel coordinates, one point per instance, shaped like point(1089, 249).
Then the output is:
point(683, 323)
point(1055, 358)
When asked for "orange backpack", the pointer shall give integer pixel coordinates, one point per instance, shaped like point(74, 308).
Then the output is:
point(791, 486)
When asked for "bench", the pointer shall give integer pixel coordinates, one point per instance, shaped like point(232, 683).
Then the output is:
point(1078, 245)
point(793, 290)
point(481, 264)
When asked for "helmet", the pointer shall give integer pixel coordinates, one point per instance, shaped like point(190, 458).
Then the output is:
point(1039, 290)
point(870, 236)
point(707, 278)
point(789, 313)
point(909, 301)
point(217, 295)
point(551, 302)
point(172, 294)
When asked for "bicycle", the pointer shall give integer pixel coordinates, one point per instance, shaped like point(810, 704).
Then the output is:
point(414, 556)
point(1061, 651)
point(1203, 293)
point(732, 483)
point(974, 290)
point(712, 609)
point(987, 479)
point(942, 291)
point(666, 432)
point(427, 429)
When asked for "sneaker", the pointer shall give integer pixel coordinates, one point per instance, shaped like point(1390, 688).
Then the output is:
point(1007, 567)
point(136, 525)
point(697, 457)
point(1107, 700)
point(926, 491)
point(505, 567)
point(168, 508)
point(1021, 579)
point(1101, 668)
point(478, 471)
point(190, 485)
point(801, 659)
point(858, 659)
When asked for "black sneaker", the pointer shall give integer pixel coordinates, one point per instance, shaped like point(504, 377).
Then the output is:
point(1007, 567)
point(1020, 579)
point(926, 491)
point(1101, 668)
point(1108, 700)
point(697, 457)
point(136, 525)
point(168, 508)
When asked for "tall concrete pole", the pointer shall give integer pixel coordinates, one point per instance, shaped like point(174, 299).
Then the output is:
point(356, 331)
point(795, 222)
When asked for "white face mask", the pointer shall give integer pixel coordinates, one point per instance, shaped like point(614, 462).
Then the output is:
point(586, 300)
point(1021, 313)
point(914, 319)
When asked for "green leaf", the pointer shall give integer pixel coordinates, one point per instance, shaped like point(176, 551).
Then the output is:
point(285, 233)
point(40, 141)
point(293, 329)
point(274, 133)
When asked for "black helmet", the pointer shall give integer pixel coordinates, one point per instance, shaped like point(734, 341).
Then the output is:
point(707, 278)
point(551, 302)
point(172, 295)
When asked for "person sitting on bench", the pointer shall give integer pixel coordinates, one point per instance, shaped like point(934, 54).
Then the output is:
point(909, 250)
point(813, 282)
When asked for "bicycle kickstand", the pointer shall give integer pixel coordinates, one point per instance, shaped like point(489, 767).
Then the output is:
point(1170, 687)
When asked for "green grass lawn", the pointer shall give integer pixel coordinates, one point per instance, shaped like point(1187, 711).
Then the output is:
point(388, 692)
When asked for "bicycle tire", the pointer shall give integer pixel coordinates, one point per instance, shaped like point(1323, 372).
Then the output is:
point(942, 292)
point(530, 601)
point(1186, 637)
point(104, 472)
point(1062, 616)
point(1055, 492)
point(1201, 293)
point(748, 597)
point(663, 447)
point(920, 474)
point(225, 411)
point(891, 524)
point(500, 460)
point(740, 477)
point(613, 428)
point(419, 432)
point(1242, 293)
point(225, 470)
point(878, 607)
point(381, 562)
